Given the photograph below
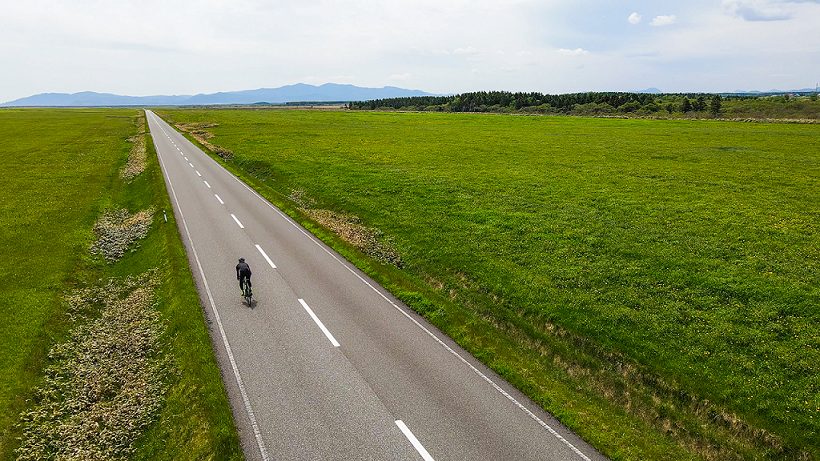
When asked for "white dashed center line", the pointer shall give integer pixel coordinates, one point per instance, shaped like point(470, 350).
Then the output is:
point(321, 325)
point(198, 173)
point(189, 163)
point(413, 440)
point(220, 200)
point(206, 183)
point(265, 255)
point(237, 221)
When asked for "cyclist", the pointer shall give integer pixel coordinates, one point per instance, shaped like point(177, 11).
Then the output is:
point(243, 274)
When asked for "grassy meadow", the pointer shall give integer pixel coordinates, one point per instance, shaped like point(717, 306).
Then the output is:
point(655, 284)
point(60, 170)
point(55, 167)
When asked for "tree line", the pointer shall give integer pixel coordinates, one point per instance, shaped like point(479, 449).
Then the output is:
point(590, 103)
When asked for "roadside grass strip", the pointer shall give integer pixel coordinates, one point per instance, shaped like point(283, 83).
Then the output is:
point(57, 167)
point(117, 230)
point(106, 383)
point(104, 350)
point(199, 131)
point(138, 156)
point(350, 229)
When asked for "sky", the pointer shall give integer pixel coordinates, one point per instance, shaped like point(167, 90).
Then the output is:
point(441, 46)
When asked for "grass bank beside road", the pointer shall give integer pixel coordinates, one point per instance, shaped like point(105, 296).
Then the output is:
point(61, 170)
point(196, 421)
point(652, 283)
point(55, 166)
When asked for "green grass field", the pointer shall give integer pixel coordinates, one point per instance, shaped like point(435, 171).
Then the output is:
point(655, 284)
point(55, 167)
point(59, 171)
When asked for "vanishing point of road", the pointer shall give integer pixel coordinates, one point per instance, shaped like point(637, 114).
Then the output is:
point(327, 364)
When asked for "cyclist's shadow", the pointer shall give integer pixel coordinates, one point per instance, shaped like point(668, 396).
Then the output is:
point(245, 302)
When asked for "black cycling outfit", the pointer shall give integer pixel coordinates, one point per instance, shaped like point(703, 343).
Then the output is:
point(243, 274)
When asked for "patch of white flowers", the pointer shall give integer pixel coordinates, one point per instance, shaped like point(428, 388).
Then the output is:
point(116, 230)
point(137, 159)
point(106, 383)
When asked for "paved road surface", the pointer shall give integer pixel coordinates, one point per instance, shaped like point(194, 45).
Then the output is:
point(327, 364)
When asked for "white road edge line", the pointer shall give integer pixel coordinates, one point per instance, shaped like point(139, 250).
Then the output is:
point(414, 441)
point(265, 255)
point(319, 322)
point(262, 450)
point(425, 329)
point(220, 200)
point(237, 221)
point(206, 183)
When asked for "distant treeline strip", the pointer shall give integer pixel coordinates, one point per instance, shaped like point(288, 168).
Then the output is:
point(594, 103)
point(475, 102)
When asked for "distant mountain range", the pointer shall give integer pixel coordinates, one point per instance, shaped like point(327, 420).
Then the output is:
point(650, 91)
point(300, 92)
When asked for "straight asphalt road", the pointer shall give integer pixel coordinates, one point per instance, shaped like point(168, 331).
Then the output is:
point(327, 364)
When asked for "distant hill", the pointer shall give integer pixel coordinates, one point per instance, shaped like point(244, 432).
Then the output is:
point(300, 92)
point(773, 91)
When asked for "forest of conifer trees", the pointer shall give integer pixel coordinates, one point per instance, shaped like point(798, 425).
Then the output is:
point(803, 106)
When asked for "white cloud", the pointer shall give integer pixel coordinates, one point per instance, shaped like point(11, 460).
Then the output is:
point(634, 18)
point(575, 52)
point(442, 47)
point(467, 50)
point(758, 10)
point(664, 20)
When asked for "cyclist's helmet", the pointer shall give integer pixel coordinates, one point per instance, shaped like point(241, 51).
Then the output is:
point(241, 260)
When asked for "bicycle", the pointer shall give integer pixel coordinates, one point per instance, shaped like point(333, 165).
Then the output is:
point(247, 294)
